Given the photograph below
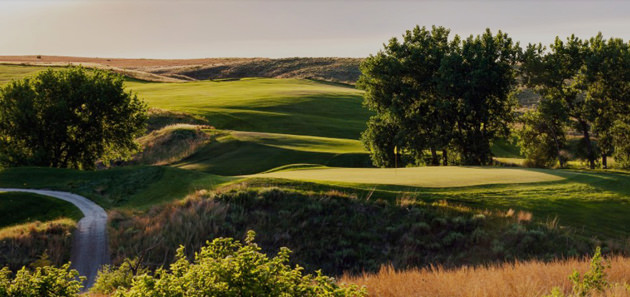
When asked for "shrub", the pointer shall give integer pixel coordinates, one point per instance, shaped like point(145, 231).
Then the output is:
point(47, 281)
point(592, 281)
point(225, 267)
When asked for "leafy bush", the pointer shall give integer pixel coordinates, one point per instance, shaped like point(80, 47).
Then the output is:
point(592, 281)
point(47, 281)
point(225, 267)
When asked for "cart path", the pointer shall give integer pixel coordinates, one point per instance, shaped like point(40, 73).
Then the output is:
point(89, 246)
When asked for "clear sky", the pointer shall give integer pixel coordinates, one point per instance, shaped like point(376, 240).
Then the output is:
point(274, 28)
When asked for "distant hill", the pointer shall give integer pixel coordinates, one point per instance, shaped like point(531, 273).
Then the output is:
point(341, 70)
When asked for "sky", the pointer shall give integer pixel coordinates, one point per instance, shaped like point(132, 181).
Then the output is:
point(275, 28)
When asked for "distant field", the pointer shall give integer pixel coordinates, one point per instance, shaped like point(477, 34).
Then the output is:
point(427, 177)
point(18, 208)
point(290, 106)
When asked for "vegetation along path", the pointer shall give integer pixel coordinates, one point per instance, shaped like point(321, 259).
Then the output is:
point(89, 248)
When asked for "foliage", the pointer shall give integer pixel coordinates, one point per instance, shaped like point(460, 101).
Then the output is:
point(592, 281)
point(589, 81)
point(69, 118)
point(620, 135)
point(225, 267)
point(542, 139)
point(431, 93)
point(110, 279)
point(47, 281)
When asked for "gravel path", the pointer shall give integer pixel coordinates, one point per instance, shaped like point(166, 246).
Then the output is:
point(89, 247)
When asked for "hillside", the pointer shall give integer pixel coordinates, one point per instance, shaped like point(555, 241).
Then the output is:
point(342, 70)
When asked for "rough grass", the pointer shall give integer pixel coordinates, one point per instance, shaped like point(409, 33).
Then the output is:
point(512, 279)
point(236, 153)
point(18, 208)
point(336, 232)
point(22, 244)
point(428, 177)
point(170, 144)
point(290, 106)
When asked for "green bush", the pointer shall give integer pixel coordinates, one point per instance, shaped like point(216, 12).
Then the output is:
point(47, 281)
point(225, 267)
point(592, 281)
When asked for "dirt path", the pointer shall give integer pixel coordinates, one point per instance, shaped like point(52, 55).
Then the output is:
point(89, 247)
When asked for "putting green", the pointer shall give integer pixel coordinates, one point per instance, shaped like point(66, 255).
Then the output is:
point(431, 177)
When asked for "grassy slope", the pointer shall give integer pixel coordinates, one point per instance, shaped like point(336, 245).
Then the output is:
point(18, 208)
point(236, 153)
point(290, 106)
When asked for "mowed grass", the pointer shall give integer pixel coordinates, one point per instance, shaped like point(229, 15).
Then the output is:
point(238, 153)
point(427, 177)
point(18, 208)
point(289, 106)
point(15, 72)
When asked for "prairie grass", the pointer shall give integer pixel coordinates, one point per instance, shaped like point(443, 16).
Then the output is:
point(22, 244)
point(336, 231)
point(170, 144)
point(514, 279)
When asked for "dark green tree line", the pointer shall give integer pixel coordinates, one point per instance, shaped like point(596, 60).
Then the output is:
point(434, 94)
point(588, 81)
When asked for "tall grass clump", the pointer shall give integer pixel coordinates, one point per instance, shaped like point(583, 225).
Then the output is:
point(24, 244)
point(170, 144)
point(337, 232)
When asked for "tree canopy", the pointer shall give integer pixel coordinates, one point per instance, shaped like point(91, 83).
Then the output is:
point(431, 93)
point(69, 118)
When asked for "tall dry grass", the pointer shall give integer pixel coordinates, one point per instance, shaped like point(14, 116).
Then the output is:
point(22, 244)
point(171, 144)
point(518, 279)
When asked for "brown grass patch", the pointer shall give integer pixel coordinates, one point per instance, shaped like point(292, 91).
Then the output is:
point(171, 144)
point(22, 244)
point(518, 279)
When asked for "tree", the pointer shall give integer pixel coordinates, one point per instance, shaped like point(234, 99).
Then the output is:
point(401, 86)
point(69, 118)
point(478, 77)
point(542, 138)
point(437, 94)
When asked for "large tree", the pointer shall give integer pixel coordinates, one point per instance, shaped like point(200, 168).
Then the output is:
point(432, 94)
point(69, 118)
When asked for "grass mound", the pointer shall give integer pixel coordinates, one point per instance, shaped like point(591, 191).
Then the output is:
point(23, 244)
point(170, 144)
point(18, 208)
point(335, 231)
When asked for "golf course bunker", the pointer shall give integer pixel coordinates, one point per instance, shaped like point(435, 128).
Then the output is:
point(431, 177)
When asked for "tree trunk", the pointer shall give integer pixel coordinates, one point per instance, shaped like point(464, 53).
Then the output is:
point(589, 145)
point(435, 161)
point(604, 161)
point(444, 157)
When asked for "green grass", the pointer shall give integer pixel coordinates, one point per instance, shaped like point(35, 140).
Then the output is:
point(237, 153)
point(290, 106)
point(592, 203)
point(127, 187)
point(14, 72)
point(426, 177)
point(18, 208)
